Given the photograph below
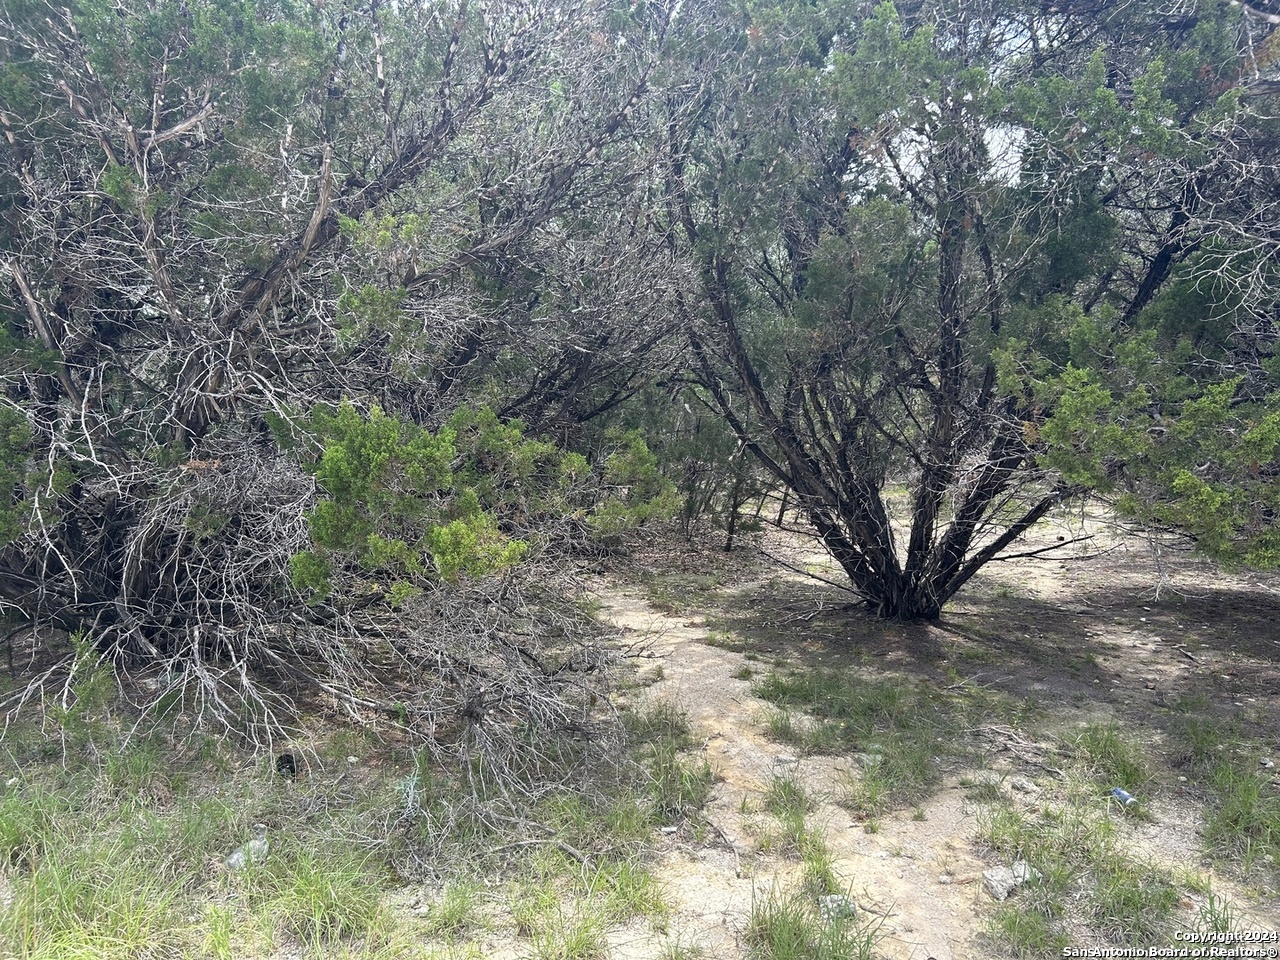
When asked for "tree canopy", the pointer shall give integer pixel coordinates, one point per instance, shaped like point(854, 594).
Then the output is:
point(961, 263)
point(314, 312)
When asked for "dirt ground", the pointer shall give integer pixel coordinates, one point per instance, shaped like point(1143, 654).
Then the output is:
point(1114, 628)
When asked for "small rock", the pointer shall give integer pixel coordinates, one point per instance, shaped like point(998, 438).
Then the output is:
point(945, 879)
point(255, 851)
point(784, 760)
point(836, 907)
point(1024, 871)
point(1266, 762)
point(1002, 881)
point(1074, 608)
point(353, 759)
point(669, 830)
point(1023, 785)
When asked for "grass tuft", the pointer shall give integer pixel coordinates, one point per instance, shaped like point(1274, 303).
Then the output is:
point(898, 728)
point(791, 927)
point(1242, 821)
point(1112, 758)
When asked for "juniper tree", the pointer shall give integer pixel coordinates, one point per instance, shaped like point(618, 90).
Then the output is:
point(928, 237)
point(220, 216)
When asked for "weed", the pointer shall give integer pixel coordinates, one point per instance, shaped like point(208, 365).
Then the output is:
point(1243, 819)
point(819, 878)
point(791, 927)
point(677, 592)
point(724, 640)
point(530, 905)
point(786, 798)
point(1111, 758)
point(94, 896)
point(781, 725)
point(624, 889)
point(659, 721)
point(674, 949)
point(219, 925)
point(27, 817)
point(1025, 932)
point(1216, 916)
point(575, 934)
point(1074, 848)
point(320, 899)
point(627, 819)
point(982, 790)
point(138, 771)
point(1132, 904)
point(679, 786)
point(868, 794)
point(898, 726)
point(456, 913)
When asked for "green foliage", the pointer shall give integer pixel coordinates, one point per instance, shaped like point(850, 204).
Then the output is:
point(369, 306)
point(790, 926)
point(15, 444)
point(323, 897)
point(895, 726)
point(394, 507)
point(1114, 760)
point(404, 506)
point(641, 492)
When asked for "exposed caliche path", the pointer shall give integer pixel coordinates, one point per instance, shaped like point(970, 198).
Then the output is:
point(921, 878)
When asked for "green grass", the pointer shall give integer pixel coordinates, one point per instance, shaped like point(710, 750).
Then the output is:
point(787, 801)
point(1242, 820)
point(457, 913)
point(119, 854)
point(107, 885)
point(1112, 759)
point(1026, 932)
point(790, 926)
point(95, 896)
point(568, 933)
point(1216, 916)
point(624, 890)
point(678, 592)
point(1131, 904)
point(1242, 815)
point(680, 785)
point(724, 640)
point(1085, 872)
point(323, 897)
point(679, 782)
point(676, 949)
point(903, 728)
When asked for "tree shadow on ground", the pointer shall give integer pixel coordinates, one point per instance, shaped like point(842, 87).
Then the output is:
point(1116, 652)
